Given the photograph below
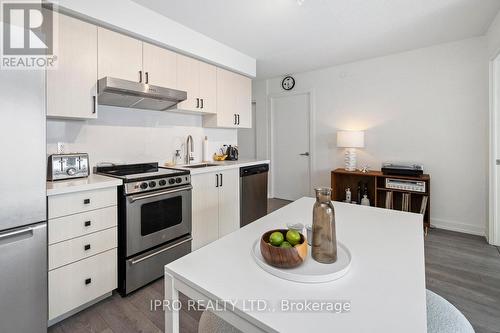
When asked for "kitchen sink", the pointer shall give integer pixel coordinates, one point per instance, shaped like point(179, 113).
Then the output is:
point(197, 166)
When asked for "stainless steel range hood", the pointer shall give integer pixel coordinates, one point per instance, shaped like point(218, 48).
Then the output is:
point(130, 94)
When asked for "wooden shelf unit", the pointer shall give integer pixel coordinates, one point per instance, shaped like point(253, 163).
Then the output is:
point(377, 192)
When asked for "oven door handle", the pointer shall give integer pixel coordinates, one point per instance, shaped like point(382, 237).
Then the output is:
point(136, 261)
point(134, 198)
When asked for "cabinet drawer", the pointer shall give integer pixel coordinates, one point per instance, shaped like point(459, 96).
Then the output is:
point(75, 249)
point(72, 203)
point(67, 227)
point(76, 284)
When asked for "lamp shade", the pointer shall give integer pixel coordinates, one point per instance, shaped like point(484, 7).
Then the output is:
point(350, 139)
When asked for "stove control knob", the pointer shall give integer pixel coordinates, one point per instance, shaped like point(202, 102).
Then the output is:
point(162, 182)
point(178, 180)
point(152, 184)
point(144, 186)
point(71, 171)
point(171, 181)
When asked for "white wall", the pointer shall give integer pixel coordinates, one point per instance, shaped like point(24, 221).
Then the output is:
point(130, 136)
point(493, 37)
point(428, 105)
point(128, 17)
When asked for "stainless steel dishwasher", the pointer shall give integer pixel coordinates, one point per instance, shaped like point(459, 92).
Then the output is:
point(253, 193)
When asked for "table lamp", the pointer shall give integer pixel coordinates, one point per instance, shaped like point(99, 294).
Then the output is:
point(350, 140)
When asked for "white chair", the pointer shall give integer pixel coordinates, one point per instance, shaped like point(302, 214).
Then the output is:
point(443, 317)
point(211, 323)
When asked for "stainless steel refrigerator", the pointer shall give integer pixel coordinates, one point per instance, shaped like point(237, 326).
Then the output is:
point(23, 212)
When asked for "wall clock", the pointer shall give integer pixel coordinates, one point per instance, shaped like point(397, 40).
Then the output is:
point(288, 83)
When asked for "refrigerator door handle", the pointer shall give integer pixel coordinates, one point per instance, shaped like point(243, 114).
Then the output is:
point(11, 234)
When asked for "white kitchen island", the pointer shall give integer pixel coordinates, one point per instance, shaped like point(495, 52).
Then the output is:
point(385, 287)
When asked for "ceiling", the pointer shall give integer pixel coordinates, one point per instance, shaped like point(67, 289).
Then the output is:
point(286, 37)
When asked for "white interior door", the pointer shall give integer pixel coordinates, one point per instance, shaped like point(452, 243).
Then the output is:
point(494, 191)
point(290, 146)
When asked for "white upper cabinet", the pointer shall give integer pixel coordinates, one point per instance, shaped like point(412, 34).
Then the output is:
point(243, 95)
point(71, 87)
point(208, 87)
point(160, 66)
point(198, 79)
point(234, 101)
point(120, 56)
point(188, 79)
point(88, 53)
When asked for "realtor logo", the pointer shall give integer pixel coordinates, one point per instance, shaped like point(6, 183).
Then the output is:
point(27, 35)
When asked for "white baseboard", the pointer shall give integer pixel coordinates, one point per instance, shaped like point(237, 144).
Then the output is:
point(459, 227)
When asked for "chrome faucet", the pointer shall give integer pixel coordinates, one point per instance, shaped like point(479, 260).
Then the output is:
point(189, 149)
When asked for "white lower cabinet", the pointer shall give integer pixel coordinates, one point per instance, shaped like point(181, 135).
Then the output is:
point(215, 205)
point(74, 285)
point(82, 253)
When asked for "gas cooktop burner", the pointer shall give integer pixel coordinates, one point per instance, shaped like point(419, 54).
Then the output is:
point(145, 176)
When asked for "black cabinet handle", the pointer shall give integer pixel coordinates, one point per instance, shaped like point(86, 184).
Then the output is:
point(147, 77)
point(140, 76)
point(88, 281)
point(235, 119)
point(86, 247)
point(94, 106)
point(202, 103)
point(216, 180)
point(87, 223)
point(86, 201)
point(221, 180)
point(197, 103)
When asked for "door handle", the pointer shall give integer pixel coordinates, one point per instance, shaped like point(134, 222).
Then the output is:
point(94, 104)
point(202, 103)
point(238, 117)
point(216, 180)
point(16, 233)
point(197, 103)
point(147, 77)
point(304, 154)
point(221, 180)
point(133, 199)
point(136, 261)
point(235, 119)
point(140, 76)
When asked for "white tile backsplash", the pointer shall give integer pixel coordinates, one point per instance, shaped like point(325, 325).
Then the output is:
point(132, 136)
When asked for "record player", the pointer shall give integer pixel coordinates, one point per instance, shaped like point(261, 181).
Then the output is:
point(402, 169)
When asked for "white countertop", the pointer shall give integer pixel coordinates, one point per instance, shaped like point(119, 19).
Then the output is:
point(385, 284)
point(92, 182)
point(221, 165)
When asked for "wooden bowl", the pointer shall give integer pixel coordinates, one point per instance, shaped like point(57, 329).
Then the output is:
point(283, 257)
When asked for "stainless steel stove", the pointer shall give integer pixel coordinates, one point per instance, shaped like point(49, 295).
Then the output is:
point(154, 220)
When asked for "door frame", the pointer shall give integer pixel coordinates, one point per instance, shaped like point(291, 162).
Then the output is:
point(312, 134)
point(493, 230)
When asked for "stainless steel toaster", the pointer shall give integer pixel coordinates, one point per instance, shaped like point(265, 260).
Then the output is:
point(66, 166)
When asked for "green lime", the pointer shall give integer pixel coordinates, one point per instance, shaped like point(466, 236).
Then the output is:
point(293, 237)
point(286, 245)
point(276, 238)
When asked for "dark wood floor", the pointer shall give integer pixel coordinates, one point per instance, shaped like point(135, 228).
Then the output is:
point(462, 268)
